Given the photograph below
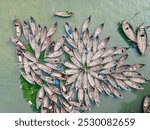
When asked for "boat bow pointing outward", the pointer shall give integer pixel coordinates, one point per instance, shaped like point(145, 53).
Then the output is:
point(146, 104)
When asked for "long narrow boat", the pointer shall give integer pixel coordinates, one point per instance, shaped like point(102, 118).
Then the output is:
point(64, 14)
point(142, 39)
point(69, 30)
point(128, 30)
point(146, 104)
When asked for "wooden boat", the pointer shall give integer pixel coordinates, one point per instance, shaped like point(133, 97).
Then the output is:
point(69, 30)
point(17, 26)
point(64, 14)
point(39, 97)
point(86, 24)
point(128, 30)
point(146, 104)
point(142, 39)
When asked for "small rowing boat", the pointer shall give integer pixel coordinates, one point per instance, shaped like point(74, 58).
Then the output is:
point(128, 30)
point(142, 39)
point(146, 104)
point(69, 30)
point(64, 14)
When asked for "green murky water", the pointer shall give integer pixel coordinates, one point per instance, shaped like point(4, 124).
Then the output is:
point(109, 11)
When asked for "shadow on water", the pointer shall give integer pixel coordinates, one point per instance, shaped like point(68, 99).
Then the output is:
point(131, 107)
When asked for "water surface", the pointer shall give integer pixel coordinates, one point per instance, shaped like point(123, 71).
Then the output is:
point(102, 11)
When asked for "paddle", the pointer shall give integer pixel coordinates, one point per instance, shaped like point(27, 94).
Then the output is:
point(135, 15)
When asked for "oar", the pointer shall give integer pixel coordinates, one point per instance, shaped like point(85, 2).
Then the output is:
point(135, 15)
point(147, 27)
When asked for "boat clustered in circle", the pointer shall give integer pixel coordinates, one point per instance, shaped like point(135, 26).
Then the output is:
point(71, 85)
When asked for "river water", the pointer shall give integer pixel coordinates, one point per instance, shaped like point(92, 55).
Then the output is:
point(109, 12)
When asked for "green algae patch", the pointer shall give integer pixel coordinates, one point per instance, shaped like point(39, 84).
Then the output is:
point(29, 48)
point(131, 107)
point(67, 56)
point(29, 93)
point(41, 58)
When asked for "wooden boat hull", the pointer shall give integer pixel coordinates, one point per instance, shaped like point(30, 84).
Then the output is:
point(128, 30)
point(142, 39)
point(146, 104)
point(63, 14)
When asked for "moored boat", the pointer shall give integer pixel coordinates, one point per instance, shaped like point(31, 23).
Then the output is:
point(69, 30)
point(64, 14)
point(128, 30)
point(142, 39)
point(146, 104)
